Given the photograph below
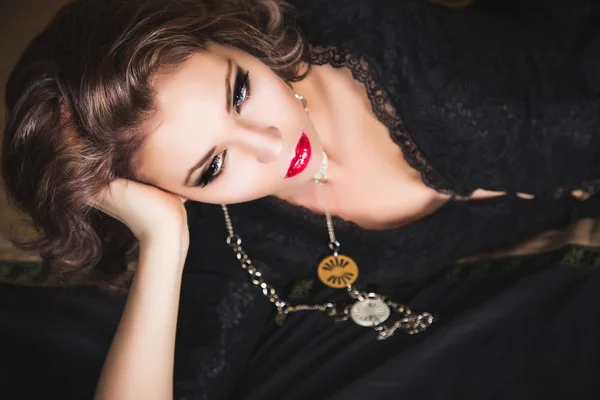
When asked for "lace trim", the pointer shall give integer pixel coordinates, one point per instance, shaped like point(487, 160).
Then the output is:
point(383, 109)
point(382, 106)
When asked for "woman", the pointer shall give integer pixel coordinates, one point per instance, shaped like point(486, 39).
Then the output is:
point(134, 107)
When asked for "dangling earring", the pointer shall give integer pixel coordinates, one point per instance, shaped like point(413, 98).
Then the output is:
point(321, 175)
point(301, 98)
point(335, 271)
point(302, 101)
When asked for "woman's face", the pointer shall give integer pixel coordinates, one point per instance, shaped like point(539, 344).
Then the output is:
point(228, 130)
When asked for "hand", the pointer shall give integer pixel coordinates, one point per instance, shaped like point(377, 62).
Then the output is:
point(141, 358)
point(149, 212)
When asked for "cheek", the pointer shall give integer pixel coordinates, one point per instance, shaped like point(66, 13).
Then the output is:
point(167, 164)
point(243, 180)
point(168, 176)
point(271, 97)
point(246, 179)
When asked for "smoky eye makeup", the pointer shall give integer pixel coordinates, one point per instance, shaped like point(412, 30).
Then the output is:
point(241, 94)
point(241, 91)
point(214, 170)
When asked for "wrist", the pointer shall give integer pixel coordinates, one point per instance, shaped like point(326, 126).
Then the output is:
point(169, 246)
point(175, 234)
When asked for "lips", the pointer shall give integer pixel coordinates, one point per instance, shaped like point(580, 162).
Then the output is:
point(302, 157)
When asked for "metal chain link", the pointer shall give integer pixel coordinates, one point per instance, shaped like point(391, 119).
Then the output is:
point(408, 322)
point(328, 218)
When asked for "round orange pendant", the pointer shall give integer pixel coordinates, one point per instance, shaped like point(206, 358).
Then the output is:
point(337, 272)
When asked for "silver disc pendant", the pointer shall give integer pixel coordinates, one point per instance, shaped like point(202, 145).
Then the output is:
point(369, 312)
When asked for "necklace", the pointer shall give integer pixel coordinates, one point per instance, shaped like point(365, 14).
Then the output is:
point(337, 271)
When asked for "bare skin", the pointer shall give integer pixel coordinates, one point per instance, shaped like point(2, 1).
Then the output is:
point(370, 183)
point(140, 361)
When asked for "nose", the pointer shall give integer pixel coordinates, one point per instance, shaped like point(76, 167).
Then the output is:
point(265, 142)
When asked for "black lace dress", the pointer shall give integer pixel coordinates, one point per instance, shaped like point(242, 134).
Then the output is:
point(503, 95)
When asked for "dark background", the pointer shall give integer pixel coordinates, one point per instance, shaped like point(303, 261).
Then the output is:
point(20, 20)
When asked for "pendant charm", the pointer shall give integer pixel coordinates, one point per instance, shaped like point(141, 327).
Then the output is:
point(337, 271)
point(369, 312)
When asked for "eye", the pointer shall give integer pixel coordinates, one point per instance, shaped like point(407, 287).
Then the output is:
point(214, 170)
point(241, 91)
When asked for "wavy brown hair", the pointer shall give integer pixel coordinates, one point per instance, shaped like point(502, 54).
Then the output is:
point(79, 94)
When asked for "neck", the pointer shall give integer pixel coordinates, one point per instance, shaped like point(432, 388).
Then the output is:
point(369, 182)
point(318, 89)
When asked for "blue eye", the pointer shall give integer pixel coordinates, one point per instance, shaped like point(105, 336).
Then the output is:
point(216, 167)
point(241, 91)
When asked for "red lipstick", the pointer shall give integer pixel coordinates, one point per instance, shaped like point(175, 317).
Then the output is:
point(302, 157)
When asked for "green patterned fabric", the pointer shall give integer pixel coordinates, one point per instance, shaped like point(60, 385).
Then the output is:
point(570, 256)
point(34, 274)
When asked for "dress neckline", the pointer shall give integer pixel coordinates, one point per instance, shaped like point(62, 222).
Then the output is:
point(365, 72)
point(402, 254)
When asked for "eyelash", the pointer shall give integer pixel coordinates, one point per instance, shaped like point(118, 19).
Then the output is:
point(214, 170)
point(241, 93)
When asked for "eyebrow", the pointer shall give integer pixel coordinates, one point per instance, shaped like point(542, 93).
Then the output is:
point(228, 100)
point(200, 164)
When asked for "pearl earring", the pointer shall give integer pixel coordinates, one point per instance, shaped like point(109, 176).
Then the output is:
point(321, 175)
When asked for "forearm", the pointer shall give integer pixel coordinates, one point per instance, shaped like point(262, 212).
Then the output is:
point(140, 361)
